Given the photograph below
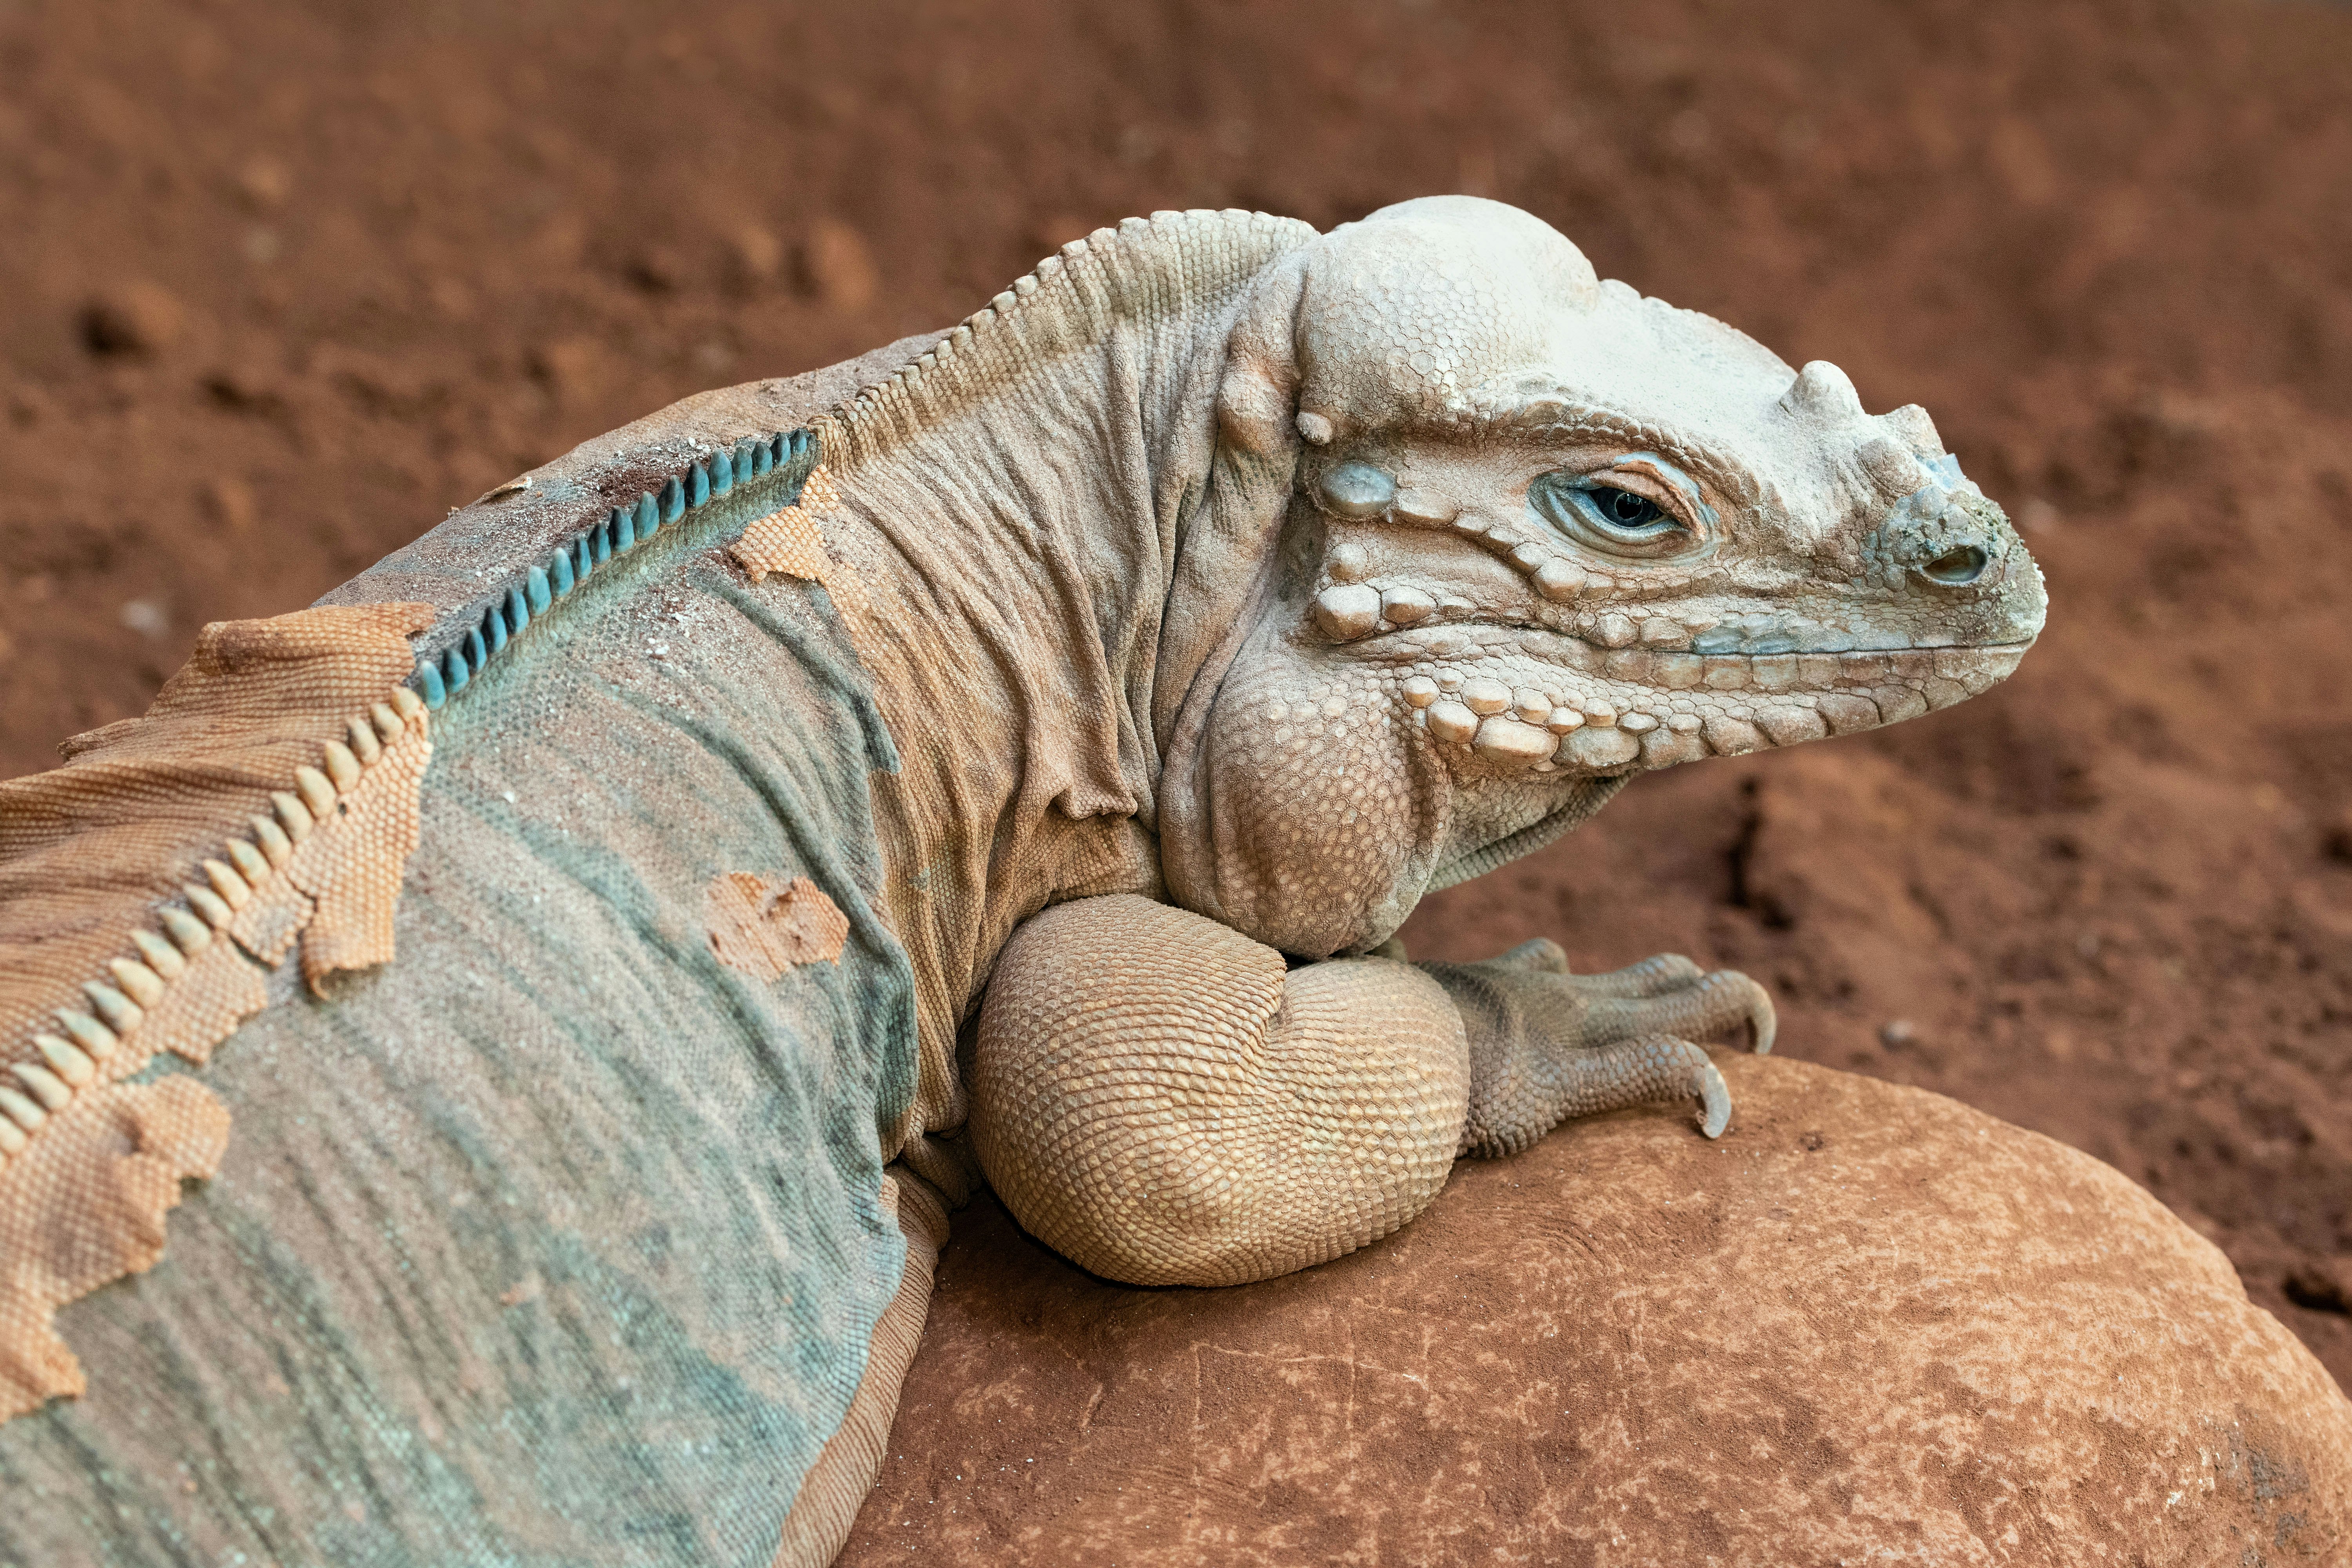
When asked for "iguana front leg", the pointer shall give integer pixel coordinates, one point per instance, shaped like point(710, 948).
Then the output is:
point(1155, 1097)
point(1160, 1100)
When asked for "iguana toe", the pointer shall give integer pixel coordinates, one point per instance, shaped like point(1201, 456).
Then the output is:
point(1651, 977)
point(1644, 1071)
point(1537, 955)
point(1709, 1006)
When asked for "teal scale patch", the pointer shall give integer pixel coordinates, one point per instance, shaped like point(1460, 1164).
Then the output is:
point(556, 1241)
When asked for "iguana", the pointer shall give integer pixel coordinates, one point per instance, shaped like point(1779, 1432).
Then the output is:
point(615, 930)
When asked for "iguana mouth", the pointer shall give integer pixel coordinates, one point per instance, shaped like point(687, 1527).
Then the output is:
point(1676, 669)
point(1522, 697)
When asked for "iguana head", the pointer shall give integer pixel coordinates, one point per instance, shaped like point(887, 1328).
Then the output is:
point(1544, 533)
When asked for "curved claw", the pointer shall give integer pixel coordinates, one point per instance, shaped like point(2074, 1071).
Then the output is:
point(1763, 1022)
point(1714, 1101)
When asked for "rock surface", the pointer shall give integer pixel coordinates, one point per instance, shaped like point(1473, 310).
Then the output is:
point(1869, 1325)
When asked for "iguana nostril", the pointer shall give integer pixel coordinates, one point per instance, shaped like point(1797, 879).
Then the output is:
point(1357, 490)
point(1956, 567)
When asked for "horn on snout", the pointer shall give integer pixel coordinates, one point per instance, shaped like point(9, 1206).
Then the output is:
point(1821, 391)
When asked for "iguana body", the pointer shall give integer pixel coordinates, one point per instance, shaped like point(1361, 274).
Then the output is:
point(970, 767)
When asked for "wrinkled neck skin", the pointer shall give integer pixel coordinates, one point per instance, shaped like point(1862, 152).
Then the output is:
point(1302, 807)
point(1045, 550)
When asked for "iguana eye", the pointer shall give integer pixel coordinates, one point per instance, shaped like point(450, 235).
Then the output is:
point(1623, 509)
point(1615, 521)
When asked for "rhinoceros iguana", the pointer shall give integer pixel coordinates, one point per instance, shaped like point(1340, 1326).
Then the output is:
point(614, 930)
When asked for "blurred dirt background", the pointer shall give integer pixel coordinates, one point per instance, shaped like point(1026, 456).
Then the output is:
point(282, 283)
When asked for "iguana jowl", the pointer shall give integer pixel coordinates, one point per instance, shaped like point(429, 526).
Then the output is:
point(1101, 690)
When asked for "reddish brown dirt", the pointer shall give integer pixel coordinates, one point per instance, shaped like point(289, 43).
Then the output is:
point(285, 282)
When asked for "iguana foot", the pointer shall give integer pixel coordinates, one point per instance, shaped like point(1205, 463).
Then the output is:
point(1547, 1045)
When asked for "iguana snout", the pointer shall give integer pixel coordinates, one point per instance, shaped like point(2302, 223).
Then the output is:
point(1544, 533)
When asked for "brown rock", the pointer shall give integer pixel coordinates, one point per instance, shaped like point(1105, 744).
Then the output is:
point(576, 369)
point(834, 263)
point(658, 269)
point(138, 317)
point(756, 254)
point(1869, 1324)
point(2336, 838)
point(229, 503)
point(264, 182)
point(2320, 1285)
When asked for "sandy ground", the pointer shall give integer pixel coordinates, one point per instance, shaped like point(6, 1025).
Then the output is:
point(283, 283)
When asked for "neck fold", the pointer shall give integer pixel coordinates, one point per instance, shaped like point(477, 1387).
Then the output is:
point(1012, 510)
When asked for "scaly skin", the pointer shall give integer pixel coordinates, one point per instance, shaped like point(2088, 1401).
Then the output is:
point(1433, 650)
point(1133, 663)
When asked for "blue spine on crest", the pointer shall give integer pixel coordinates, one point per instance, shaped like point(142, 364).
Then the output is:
point(619, 530)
